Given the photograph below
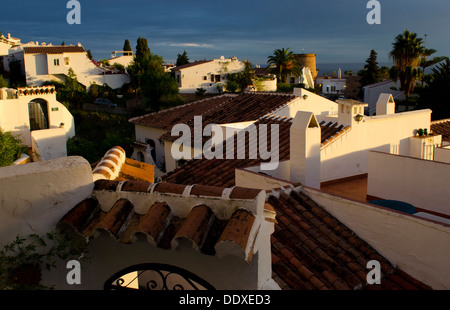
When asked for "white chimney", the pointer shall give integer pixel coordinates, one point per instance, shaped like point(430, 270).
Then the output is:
point(351, 112)
point(305, 140)
point(339, 74)
point(385, 104)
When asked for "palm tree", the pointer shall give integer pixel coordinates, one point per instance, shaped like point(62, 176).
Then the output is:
point(407, 51)
point(284, 63)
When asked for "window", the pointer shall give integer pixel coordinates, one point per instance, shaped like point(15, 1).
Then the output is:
point(66, 60)
point(205, 78)
point(56, 62)
point(217, 78)
point(292, 80)
point(333, 88)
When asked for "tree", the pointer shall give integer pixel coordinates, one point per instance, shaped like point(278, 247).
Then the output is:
point(284, 63)
point(370, 73)
point(435, 94)
point(127, 46)
point(240, 80)
point(160, 90)
point(148, 77)
point(3, 82)
point(142, 49)
point(425, 62)
point(11, 148)
point(182, 59)
point(89, 54)
point(406, 53)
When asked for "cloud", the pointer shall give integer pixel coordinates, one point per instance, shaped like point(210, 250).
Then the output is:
point(202, 45)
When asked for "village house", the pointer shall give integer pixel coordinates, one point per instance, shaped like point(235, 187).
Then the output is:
point(47, 62)
point(207, 74)
point(372, 93)
point(153, 131)
point(124, 58)
point(40, 121)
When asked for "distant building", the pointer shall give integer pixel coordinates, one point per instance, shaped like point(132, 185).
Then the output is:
point(207, 74)
point(41, 122)
point(372, 93)
point(124, 58)
point(46, 62)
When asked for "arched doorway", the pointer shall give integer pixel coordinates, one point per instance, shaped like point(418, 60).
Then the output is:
point(38, 114)
point(153, 276)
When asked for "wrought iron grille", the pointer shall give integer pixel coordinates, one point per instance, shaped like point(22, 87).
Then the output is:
point(154, 276)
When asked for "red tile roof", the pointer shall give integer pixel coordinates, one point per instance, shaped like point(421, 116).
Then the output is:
point(160, 225)
point(242, 108)
point(166, 119)
point(221, 172)
point(192, 64)
point(53, 49)
point(441, 127)
point(312, 250)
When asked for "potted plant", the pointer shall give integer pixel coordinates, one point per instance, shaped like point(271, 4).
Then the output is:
point(425, 132)
point(420, 132)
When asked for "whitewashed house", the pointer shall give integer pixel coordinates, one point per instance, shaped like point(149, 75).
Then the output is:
point(372, 93)
point(47, 62)
point(40, 121)
point(124, 58)
point(207, 74)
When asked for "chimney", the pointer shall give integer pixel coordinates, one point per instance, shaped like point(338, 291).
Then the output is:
point(351, 112)
point(385, 104)
point(305, 140)
point(339, 74)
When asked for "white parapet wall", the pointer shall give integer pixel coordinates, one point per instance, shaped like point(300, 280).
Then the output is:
point(419, 247)
point(49, 143)
point(34, 196)
point(422, 183)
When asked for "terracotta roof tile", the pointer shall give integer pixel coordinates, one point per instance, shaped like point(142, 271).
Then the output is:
point(182, 114)
point(441, 127)
point(192, 64)
point(220, 172)
point(200, 229)
point(53, 49)
point(313, 250)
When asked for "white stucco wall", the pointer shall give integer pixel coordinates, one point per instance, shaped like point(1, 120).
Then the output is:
point(41, 68)
point(442, 154)
point(14, 116)
point(348, 156)
point(192, 78)
point(313, 103)
point(49, 143)
point(35, 196)
point(250, 179)
point(421, 183)
point(419, 247)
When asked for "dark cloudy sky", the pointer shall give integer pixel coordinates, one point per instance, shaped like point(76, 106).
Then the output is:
point(336, 30)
